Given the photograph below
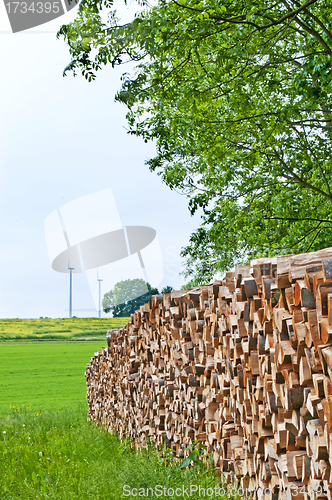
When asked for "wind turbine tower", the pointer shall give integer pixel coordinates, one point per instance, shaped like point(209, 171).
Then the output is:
point(99, 312)
point(71, 269)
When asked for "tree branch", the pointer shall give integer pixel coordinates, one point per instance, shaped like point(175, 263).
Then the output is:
point(316, 160)
point(308, 29)
point(301, 181)
point(318, 21)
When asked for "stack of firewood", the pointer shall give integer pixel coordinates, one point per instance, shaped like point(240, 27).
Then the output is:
point(243, 365)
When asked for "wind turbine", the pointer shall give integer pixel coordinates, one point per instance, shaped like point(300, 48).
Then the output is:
point(99, 280)
point(71, 269)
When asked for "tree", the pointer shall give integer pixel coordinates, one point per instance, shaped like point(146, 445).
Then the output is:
point(237, 96)
point(167, 289)
point(127, 296)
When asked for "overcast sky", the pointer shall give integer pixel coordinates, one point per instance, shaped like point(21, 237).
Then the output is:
point(61, 139)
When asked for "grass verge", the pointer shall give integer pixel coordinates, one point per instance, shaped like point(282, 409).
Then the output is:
point(59, 455)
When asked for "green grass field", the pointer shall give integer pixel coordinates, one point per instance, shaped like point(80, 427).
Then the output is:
point(48, 450)
point(56, 329)
point(45, 375)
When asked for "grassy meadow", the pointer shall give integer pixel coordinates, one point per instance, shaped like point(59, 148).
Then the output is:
point(56, 329)
point(44, 375)
point(48, 450)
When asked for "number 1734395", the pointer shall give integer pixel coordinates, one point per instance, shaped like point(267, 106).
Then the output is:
point(33, 7)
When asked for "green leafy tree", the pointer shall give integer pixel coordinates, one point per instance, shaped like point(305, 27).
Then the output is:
point(237, 96)
point(167, 289)
point(127, 296)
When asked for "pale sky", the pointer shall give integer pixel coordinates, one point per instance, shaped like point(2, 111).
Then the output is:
point(62, 139)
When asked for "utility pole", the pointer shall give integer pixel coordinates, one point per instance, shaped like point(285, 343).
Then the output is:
point(100, 280)
point(71, 269)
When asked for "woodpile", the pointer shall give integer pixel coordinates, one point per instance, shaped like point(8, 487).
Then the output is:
point(243, 365)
